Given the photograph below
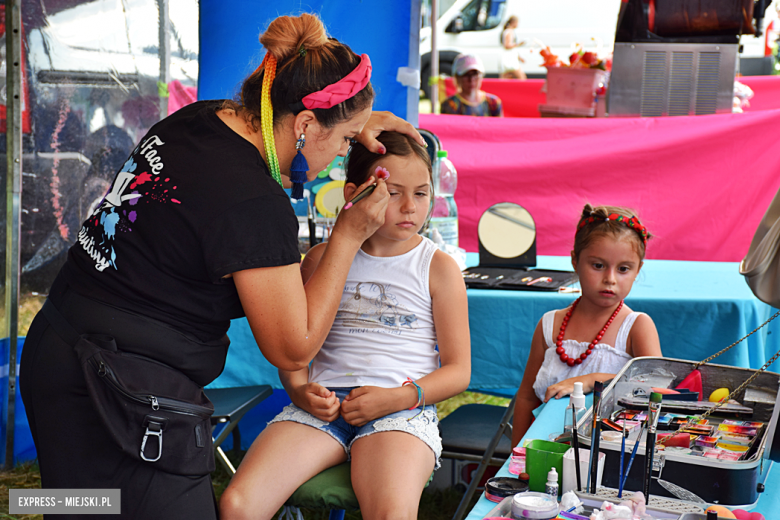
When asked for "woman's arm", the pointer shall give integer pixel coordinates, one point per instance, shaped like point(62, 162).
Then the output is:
point(290, 320)
point(526, 400)
point(508, 40)
point(450, 316)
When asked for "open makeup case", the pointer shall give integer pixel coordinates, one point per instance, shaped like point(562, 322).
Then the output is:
point(724, 458)
point(507, 254)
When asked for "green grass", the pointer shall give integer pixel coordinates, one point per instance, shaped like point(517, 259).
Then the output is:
point(434, 505)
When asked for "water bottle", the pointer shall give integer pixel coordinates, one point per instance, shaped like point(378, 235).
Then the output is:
point(444, 216)
point(575, 410)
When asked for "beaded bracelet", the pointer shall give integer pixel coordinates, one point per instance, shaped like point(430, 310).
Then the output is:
point(420, 397)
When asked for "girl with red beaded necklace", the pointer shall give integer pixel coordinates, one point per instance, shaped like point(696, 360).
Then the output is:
point(597, 334)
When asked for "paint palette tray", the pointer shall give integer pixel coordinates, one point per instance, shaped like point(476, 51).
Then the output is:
point(732, 483)
point(517, 279)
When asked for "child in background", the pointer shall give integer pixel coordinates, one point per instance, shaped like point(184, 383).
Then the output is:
point(471, 100)
point(596, 335)
point(368, 395)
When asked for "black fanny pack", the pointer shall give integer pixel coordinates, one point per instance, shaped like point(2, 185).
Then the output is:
point(153, 412)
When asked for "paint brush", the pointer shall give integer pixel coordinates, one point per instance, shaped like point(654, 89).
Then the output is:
point(575, 443)
point(622, 455)
point(633, 454)
point(363, 194)
point(593, 466)
point(654, 411)
point(312, 224)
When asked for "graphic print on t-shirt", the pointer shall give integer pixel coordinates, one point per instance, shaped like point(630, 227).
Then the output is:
point(140, 181)
point(372, 308)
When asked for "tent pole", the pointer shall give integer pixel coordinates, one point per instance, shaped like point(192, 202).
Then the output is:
point(13, 20)
point(165, 56)
point(413, 95)
point(435, 108)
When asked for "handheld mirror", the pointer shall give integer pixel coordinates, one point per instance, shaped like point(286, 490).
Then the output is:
point(507, 236)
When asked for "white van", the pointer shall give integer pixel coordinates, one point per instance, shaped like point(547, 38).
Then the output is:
point(475, 26)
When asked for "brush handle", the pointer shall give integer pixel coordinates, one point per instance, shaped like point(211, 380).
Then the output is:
point(633, 455)
point(593, 465)
point(363, 194)
point(622, 454)
point(575, 443)
point(649, 453)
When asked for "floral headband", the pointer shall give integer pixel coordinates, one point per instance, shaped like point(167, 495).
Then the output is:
point(632, 222)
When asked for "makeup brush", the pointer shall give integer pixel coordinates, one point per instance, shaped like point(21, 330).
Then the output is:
point(654, 411)
point(622, 455)
point(633, 454)
point(593, 466)
point(575, 443)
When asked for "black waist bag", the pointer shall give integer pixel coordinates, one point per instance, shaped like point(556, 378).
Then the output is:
point(153, 412)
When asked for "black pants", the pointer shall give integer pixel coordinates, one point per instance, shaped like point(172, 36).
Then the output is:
point(74, 450)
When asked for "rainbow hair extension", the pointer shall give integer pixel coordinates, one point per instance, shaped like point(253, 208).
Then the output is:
point(267, 116)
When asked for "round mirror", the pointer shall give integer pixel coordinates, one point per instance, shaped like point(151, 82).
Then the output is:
point(506, 230)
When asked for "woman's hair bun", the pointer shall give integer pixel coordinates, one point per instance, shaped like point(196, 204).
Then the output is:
point(287, 34)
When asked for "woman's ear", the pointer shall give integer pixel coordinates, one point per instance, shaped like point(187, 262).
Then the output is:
point(303, 121)
point(574, 260)
point(349, 191)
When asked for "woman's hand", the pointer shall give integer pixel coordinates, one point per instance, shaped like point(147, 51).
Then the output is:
point(385, 121)
point(362, 220)
point(367, 403)
point(317, 400)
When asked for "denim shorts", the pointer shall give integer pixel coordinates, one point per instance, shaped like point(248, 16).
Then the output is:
point(425, 426)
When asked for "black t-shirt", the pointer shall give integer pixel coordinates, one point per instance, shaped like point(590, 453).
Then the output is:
point(193, 203)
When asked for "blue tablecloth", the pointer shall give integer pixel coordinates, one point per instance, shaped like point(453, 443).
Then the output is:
point(550, 420)
point(698, 307)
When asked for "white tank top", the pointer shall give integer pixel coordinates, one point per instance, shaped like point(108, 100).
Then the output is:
point(604, 358)
point(383, 332)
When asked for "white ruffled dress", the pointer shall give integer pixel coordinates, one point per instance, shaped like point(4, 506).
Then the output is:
point(604, 358)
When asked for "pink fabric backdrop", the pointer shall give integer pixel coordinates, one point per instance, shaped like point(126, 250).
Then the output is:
point(700, 184)
point(522, 98)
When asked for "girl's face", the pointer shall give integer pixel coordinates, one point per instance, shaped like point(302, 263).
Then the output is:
point(409, 186)
point(324, 144)
point(607, 269)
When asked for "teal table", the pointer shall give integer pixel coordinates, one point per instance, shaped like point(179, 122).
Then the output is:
point(550, 420)
point(698, 308)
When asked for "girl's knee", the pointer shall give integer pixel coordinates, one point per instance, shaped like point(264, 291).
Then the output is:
point(233, 505)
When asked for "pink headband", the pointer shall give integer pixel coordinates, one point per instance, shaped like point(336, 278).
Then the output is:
point(340, 91)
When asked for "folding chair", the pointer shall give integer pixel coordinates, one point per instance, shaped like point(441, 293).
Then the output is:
point(475, 432)
point(230, 406)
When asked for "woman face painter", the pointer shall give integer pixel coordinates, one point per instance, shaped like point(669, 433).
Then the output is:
point(197, 230)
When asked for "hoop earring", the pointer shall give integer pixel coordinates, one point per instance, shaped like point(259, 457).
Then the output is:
point(298, 169)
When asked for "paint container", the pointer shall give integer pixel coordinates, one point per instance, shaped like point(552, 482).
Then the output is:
point(517, 462)
point(534, 506)
point(498, 488)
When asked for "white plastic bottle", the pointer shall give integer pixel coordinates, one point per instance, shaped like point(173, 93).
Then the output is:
point(444, 216)
point(576, 408)
point(551, 488)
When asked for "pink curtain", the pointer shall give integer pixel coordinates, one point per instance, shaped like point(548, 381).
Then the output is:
point(522, 98)
point(700, 184)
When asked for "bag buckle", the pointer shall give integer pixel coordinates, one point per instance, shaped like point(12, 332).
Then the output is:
point(154, 428)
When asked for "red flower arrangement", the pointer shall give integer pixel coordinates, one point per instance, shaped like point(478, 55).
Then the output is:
point(578, 60)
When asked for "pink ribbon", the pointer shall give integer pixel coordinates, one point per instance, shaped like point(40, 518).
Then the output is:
point(343, 89)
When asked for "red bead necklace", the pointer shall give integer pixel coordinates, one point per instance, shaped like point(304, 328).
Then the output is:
point(560, 350)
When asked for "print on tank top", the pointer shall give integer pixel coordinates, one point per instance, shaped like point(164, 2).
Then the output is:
point(140, 181)
point(373, 308)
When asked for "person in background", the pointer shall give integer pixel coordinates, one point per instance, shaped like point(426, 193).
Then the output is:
point(591, 339)
point(510, 58)
point(470, 100)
